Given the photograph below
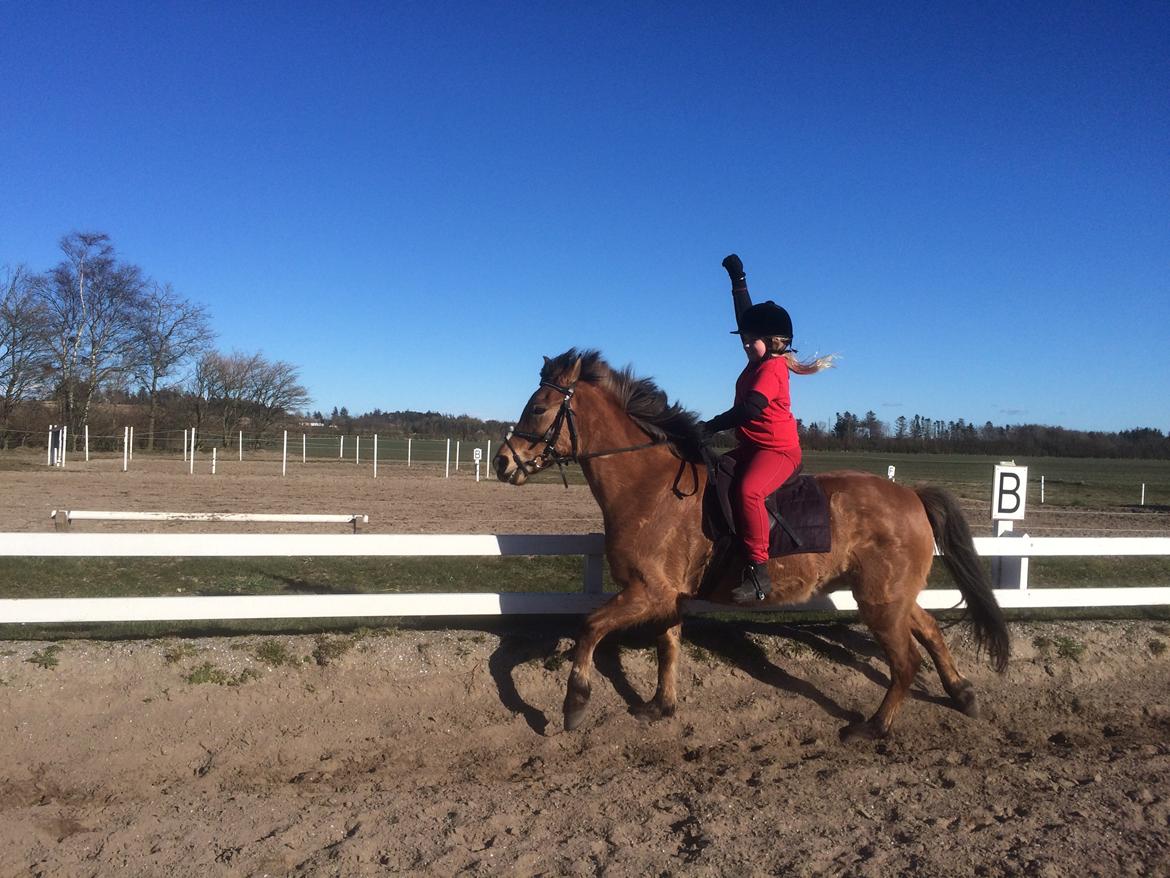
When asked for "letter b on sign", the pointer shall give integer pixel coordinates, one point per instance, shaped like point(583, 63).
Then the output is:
point(1009, 493)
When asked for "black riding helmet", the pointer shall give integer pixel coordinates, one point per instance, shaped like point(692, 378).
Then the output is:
point(764, 320)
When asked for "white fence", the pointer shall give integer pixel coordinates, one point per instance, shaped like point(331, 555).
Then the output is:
point(589, 546)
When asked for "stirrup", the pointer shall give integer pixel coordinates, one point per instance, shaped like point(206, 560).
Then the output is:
point(755, 585)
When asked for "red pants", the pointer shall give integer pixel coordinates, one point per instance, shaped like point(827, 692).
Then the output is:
point(758, 472)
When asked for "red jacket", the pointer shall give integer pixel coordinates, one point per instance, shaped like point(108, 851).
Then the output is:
point(776, 427)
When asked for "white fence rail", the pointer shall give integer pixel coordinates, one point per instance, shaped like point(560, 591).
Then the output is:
point(589, 546)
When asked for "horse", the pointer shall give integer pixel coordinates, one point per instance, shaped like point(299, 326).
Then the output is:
point(643, 461)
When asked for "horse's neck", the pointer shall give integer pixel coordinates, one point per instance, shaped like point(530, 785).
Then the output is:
point(628, 485)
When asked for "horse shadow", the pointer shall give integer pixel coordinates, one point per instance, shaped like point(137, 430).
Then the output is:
point(728, 641)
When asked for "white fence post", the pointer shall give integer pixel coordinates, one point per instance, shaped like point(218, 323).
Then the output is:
point(191, 461)
point(131, 443)
point(184, 445)
point(304, 449)
point(284, 456)
point(213, 451)
point(241, 446)
point(457, 443)
point(87, 443)
point(65, 445)
point(447, 474)
point(408, 441)
point(357, 449)
point(341, 449)
point(125, 448)
point(375, 455)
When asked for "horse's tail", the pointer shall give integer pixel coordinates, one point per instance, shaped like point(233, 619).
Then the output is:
point(953, 537)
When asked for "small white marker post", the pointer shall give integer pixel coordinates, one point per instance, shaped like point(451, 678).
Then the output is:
point(375, 455)
point(87, 443)
point(448, 473)
point(488, 454)
point(284, 456)
point(341, 449)
point(457, 441)
point(408, 441)
point(890, 473)
point(304, 449)
point(184, 445)
point(49, 447)
point(1143, 493)
point(65, 445)
point(131, 443)
point(1042, 490)
point(1009, 492)
point(191, 461)
point(357, 449)
point(241, 446)
point(477, 455)
point(125, 448)
point(213, 451)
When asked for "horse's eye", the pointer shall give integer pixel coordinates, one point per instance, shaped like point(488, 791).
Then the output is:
point(539, 410)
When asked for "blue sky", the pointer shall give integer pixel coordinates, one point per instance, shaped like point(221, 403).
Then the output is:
point(970, 203)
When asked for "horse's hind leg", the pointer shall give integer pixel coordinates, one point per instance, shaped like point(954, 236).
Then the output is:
point(665, 700)
point(927, 632)
point(632, 606)
point(890, 624)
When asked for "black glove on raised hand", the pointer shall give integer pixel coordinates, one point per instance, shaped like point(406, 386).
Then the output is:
point(734, 266)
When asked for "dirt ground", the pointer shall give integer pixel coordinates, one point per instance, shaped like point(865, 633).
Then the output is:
point(440, 751)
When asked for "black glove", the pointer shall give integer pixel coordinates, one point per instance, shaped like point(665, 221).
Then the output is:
point(734, 266)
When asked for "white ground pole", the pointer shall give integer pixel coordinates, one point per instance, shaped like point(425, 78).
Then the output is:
point(1042, 489)
point(408, 441)
point(1143, 493)
point(213, 450)
point(87, 443)
point(304, 449)
point(341, 448)
point(192, 459)
point(375, 455)
point(487, 457)
point(284, 455)
point(447, 475)
point(357, 449)
point(131, 443)
point(457, 442)
point(184, 445)
point(241, 446)
point(125, 451)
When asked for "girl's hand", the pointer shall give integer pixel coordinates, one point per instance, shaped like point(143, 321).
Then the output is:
point(734, 267)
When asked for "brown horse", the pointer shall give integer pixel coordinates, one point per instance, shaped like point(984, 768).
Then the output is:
point(642, 460)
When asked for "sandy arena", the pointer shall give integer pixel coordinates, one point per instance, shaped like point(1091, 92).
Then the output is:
point(441, 751)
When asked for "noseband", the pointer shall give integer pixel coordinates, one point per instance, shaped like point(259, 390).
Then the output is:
point(550, 437)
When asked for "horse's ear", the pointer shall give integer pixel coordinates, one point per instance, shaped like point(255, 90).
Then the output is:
point(573, 375)
point(547, 361)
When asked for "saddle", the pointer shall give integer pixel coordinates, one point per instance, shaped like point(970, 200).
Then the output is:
point(798, 512)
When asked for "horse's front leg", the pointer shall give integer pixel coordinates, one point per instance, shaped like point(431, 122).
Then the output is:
point(665, 700)
point(634, 605)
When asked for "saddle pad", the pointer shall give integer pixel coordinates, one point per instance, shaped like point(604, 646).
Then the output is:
point(800, 501)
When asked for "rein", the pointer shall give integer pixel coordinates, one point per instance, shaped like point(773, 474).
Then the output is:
point(550, 437)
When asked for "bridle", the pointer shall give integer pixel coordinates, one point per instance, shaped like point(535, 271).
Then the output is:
point(550, 437)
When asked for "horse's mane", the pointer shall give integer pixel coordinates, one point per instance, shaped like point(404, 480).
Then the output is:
point(641, 398)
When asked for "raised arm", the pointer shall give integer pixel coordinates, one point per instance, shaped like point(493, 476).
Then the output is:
point(739, 291)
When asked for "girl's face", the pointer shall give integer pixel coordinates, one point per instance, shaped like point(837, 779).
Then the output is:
point(754, 347)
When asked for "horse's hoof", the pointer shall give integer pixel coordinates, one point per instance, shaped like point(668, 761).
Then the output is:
point(651, 711)
point(864, 731)
point(964, 696)
point(574, 718)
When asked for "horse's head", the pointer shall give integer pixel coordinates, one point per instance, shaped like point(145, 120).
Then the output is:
point(546, 432)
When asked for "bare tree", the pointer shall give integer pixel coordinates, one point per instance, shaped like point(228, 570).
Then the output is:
point(239, 386)
point(169, 332)
point(91, 300)
point(24, 359)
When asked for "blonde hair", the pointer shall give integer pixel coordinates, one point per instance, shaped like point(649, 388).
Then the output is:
point(778, 345)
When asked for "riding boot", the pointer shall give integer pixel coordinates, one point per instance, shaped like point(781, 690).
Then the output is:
point(755, 584)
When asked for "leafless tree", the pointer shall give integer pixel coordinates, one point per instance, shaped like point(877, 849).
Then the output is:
point(239, 386)
point(91, 301)
point(169, 333)
point(24, 360)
